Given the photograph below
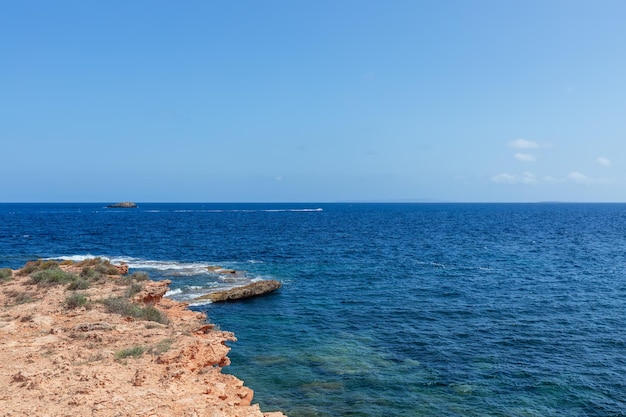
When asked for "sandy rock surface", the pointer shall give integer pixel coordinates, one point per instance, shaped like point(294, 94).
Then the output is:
point(58, 360)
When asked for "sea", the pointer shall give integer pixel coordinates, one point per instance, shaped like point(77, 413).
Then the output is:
point(386, 309)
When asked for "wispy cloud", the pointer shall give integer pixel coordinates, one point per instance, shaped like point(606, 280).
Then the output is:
point(580, 178)
point(524, 144)
point(525, 157)
point(530, 178)
point(525, 178)
point(529, 151)
point(524, 148)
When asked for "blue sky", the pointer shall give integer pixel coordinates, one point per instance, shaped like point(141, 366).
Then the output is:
point(313, 101)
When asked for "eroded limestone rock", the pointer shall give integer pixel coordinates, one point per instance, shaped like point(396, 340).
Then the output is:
point(254, 289)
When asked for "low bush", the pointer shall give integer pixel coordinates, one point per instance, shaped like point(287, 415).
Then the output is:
point(97, 268)
point(105, 268)
point(130, 352)
point(19, 297)
point(98, 263)
point(139, 276)
point(134, 277)
point(75, 300)
point(88, 273)
point(151, 313)
point(133, 289)
point(5, 274)
point(89, 262)
point(52, 276)
point(79, 284)
point(44, 272)
point(38, 265)
point(161, 347)
point(123, 307)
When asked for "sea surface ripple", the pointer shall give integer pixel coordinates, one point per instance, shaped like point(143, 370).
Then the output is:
point(386, 309)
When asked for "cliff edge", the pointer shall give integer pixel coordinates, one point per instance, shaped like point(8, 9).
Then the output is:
point(81, 339)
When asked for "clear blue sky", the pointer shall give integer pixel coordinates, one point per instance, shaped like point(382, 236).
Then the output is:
point(313, 101)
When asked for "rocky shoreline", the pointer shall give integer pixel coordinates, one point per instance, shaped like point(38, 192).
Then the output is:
point(83, 339)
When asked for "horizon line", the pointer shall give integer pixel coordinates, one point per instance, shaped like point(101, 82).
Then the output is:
point(403, 201)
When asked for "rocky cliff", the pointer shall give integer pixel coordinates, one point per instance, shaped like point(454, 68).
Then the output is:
point(80, 339)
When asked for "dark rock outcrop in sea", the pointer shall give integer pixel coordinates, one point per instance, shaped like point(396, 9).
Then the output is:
point(124, 204)
point(247, 291)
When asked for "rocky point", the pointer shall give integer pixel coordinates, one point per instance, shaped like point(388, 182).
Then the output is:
point(84, 340)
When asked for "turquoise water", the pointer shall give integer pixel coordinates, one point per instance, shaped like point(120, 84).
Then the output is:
point(386, 309)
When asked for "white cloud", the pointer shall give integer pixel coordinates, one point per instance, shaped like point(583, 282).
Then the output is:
point(503, 179)
point(530, 178)
point(550, 179)
point(525, 178)
point(604, 161)
point(524, 144)
point(579, 178)
point(525, 157)
point(583, 179)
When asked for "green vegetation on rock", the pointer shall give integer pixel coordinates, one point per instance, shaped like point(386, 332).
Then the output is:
point(125, 307)
point(52, 276)
point(49, 272)
point(5, 274)
point(20, 297)
point(130, 352)
point(76, 300)
point(38, 265)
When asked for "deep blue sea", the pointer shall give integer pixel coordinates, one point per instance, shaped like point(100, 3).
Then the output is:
point(386, 309)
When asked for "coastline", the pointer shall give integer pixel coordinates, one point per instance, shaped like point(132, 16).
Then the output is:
point(65, 352)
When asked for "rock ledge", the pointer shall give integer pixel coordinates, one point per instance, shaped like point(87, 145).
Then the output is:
point(247, 291)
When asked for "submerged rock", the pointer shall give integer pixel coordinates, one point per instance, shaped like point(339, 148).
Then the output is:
point(124, 204)
point(247, 291)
